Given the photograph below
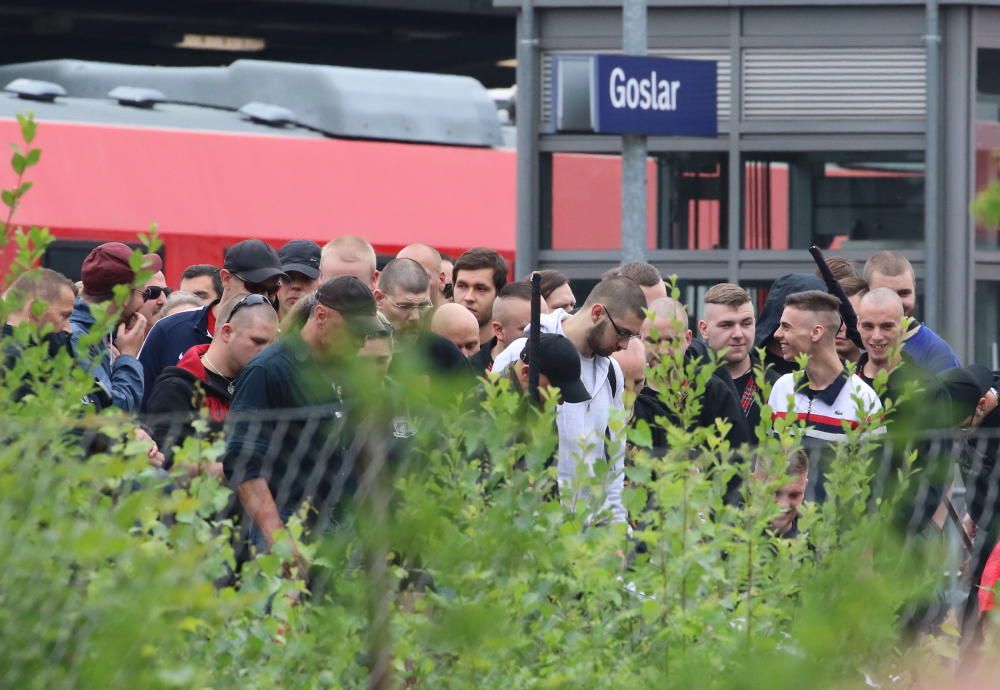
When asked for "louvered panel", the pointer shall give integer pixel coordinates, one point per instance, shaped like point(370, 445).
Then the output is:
point(547, 97)
point(720, 55)
point(833, 83)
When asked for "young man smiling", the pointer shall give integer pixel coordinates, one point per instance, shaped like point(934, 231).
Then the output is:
point(827, 401)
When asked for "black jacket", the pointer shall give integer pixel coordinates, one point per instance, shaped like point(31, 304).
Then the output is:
point(167, 342)
point(178, 400)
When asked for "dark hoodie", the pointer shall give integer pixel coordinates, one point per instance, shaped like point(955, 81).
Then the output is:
point(183, 394)
point(770, 315)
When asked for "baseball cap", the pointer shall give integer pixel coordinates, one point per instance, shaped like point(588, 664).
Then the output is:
point(301, 256)
point(559, 362)
point(107, 265)
point(966, 385)
point(253, 261)
point(354, 301)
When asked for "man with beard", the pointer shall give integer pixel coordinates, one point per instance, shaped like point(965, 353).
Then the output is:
point(608, 320)
point(479, 275)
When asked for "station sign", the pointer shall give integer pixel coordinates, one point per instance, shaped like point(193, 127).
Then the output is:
point(653, 96)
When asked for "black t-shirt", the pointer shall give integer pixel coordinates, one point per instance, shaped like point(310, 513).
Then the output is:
point(289, 426)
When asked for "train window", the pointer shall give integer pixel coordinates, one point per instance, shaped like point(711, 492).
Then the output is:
point(686, 201)
point(834, 200)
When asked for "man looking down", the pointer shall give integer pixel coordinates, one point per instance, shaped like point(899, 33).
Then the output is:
point(608, 320)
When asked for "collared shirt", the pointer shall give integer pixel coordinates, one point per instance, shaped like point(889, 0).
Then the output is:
point(829, 412)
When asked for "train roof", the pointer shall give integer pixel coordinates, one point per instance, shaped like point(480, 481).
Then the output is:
point(297, 100)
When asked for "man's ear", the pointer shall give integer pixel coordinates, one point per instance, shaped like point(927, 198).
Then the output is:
point(596, 312)
point(442, 280)
point(522, 376)
point(703, 328)
point(688, 337)
point(226, 332)
point(817, 332)
point(497, 331)
point(379, 297)
point(375, 276)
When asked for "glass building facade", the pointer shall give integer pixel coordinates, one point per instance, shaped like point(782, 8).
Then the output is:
point(823, 114)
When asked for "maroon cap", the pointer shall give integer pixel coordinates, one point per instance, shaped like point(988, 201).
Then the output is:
point(108, 265)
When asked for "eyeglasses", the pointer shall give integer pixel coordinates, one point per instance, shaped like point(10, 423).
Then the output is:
point(408, 307)
point(154, 291)
point(622, 333)
point(247, 301)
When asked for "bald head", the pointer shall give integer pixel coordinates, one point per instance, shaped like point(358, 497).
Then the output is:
point(348, 255)
point(458, 325)
point(429, 258)
point(632, 360)
point(666, 330)
point(880, 323)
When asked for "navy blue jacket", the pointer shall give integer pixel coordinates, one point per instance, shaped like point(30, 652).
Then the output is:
point(167, 342)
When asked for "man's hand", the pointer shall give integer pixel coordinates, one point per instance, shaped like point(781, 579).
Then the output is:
point(156, 458)
point(129, 339)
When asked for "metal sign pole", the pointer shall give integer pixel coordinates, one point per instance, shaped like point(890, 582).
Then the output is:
point(633, 146)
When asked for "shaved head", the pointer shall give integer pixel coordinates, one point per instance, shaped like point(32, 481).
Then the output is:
point(880, 323)
point(882, 298)
point(458, 325)
point(429, 258)
point(666, 330)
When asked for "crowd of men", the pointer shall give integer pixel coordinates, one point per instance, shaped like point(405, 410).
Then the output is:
point(257, 335)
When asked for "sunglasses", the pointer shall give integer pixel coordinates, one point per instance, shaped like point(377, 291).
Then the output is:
point(261, 288)
point(247, 301)
point(154, 291)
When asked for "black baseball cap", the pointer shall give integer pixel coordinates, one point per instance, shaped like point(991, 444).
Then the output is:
point(559, 362)
point(354, 301)
point(253, 261)
point(301, 256)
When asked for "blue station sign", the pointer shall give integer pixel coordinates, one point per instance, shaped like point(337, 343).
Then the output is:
point(653, 96)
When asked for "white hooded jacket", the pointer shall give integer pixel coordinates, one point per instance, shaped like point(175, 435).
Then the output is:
point(583, 426)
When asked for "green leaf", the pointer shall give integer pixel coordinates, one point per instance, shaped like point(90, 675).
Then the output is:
point(23, 189)
point(8, 197)
point(28, 127)
point(32, 157)
point(18, 163)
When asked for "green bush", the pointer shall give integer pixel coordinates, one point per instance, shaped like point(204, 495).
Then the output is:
point(110, 572)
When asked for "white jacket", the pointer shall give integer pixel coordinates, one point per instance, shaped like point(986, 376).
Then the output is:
point(583, 426)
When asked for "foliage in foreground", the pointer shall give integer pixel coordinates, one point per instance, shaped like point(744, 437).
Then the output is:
point(114, 575)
